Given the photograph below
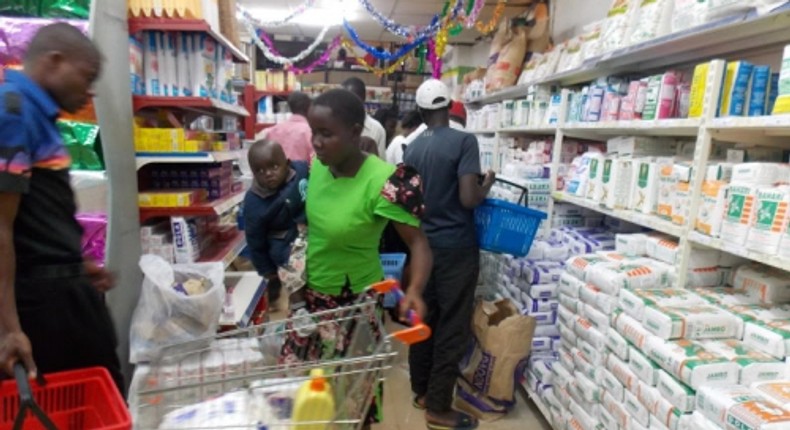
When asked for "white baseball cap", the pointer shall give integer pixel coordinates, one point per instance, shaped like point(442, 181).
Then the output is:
point(433, 94)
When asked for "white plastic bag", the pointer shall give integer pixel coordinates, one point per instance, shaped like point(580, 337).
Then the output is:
point(164, 316)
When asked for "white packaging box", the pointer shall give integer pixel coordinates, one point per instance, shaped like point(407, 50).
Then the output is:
point(738, 407)
point(204, 66)
point(784, 243)
point(151, 64)
point(595, 170)
point(769, 223)
point(677, 393)
point(691, 322)
point(667, 184)
point(690, 363)
point(644, 186)
point(719, 171)
point(712, 208)
point(681, 203)
point(619, 184)
point(758, 174)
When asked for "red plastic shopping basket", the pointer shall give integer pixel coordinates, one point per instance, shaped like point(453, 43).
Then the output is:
point(73, 400)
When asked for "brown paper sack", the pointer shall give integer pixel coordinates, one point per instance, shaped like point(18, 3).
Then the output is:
point(503, 340)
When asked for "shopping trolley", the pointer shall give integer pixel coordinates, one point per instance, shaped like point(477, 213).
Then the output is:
point(185, 375)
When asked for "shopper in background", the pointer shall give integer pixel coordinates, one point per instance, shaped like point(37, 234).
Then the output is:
point(273, 210)
point(457, 121)
point(388, 118)
point(52, 313)
point(294, 134)
point(351, 196)
point(410, 122)
point(368, 145)
point(372, 129)
point(449, 161)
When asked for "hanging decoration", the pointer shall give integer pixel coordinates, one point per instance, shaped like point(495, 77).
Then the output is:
point(302, 8)
point(436, 61)
point(476, 7)
point(376, 70)
point(491, 25)
point(267, 46)
point(382, 55)
point(320, 61)
point(408, 32)
point(421, 53)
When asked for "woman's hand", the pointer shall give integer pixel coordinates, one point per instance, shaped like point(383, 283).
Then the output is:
point(412, 301)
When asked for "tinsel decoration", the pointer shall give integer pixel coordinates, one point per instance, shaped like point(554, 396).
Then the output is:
point(492, 24)
point(302, 8)
point(381, 55)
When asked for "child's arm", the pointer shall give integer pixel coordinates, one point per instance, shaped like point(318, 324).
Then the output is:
point(255, 231)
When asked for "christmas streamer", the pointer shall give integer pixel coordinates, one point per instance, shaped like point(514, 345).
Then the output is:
point(320, 61)
point(386, 55)
point(375, 70)
point(285, 21)
point(471, 16)
point(491, 25)
point(267, 46)
point(407, 32)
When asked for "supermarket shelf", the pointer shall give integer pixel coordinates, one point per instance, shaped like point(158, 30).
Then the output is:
point(548, 129)
point(758, 129)
point(203, 105)
point(170, 24)
point(731, 35)
point(225, 252)
point(542, 407)
point(662, 127)
point(648, 221)
point(715, 243)
point(217, 207)
point(482, 131)
point(144, 158)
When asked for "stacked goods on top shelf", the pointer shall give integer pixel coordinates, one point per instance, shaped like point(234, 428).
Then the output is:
point(275, 81)
point(637, 352)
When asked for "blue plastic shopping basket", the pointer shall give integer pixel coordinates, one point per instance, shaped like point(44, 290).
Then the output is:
point(393, 265)
point(505, 227)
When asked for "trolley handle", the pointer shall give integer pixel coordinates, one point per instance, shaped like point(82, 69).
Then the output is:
point(419, 331)
point(26, 400)
point(524, 199)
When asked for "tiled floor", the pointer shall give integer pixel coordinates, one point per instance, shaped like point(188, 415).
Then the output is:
point(400, 415)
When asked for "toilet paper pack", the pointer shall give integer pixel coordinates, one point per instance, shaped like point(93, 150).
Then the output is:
point(767, 284)
point(740, 210)
point(769, 222)
point(690, 363)
point(677, 393)
point(633, 302)
point(776, 392)
point(738, 407)
point(691, 322)
point(755, 366)
point(771, 337)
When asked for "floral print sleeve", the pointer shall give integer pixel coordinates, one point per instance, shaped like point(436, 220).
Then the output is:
point(404, 188)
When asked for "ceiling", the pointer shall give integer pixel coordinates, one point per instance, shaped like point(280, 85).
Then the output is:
point(405, 12)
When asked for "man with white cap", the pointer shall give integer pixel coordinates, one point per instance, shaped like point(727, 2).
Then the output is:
point(448, 161)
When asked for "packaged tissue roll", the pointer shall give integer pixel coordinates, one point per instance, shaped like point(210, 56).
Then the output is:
point(755, 366)
point(691, 363)
point(612, 277)
point(739, 407)
point(633, 302)
point(691, 322)
point(580, 265)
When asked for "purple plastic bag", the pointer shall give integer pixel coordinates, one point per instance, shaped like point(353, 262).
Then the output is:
point(16, 33)
point(94, 236)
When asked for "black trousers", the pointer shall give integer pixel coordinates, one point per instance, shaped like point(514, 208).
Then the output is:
point(449, 297)
point(68, 325)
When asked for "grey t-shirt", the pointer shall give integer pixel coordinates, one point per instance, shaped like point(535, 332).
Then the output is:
point(443, 155)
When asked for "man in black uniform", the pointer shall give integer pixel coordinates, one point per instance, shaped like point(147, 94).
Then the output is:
point(52, 314)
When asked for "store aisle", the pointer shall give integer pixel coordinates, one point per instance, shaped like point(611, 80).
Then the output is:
point(399, 414)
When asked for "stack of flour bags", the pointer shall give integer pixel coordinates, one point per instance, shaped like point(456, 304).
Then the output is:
point(636, 352)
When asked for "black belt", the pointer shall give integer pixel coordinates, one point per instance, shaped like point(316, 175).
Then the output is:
point(57, 271)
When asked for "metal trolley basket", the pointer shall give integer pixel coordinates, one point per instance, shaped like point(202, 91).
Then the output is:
point(353, 367)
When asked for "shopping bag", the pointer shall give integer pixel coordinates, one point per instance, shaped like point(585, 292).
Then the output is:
point(165, 314)
point(502, 343)
point(293, 275)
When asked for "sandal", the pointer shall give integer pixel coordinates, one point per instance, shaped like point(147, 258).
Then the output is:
point(418, 402)
point(462, 422)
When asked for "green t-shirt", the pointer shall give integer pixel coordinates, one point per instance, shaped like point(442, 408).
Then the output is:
point(345, 218)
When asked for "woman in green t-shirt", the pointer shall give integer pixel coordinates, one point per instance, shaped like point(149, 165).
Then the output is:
point(351, 196)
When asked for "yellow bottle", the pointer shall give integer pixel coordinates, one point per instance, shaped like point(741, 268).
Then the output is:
point(314, 403)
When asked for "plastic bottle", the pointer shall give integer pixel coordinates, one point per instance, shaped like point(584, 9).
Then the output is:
point(313, 402)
